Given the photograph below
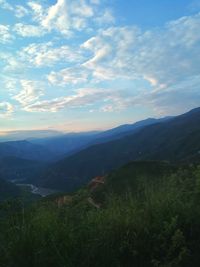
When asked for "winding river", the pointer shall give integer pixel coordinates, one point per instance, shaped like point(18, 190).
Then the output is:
point(43, 192)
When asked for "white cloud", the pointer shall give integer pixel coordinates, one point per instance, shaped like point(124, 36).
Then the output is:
point(106, 18)
point(113, 101)
point(161, 59)
point(10, 84)
point(11, 63)
point(38, 10)
point(161, 56)
point(65, 16)
point(5, 5)
point(26, 30)
point(82, 98)
point(69, 76)
point(45, 54)
point(176, 98)
point(112, 53)
point(30, 91)
point(6, 109)
point(21, 11)
point(5, 35)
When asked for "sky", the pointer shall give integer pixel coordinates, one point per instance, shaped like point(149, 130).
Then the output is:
point(79, 65)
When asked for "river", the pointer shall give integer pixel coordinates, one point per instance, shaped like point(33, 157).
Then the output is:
point(43, 192)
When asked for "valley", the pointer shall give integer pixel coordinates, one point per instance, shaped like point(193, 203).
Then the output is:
point(135, 194)
point(99, 133)
point(43, 192)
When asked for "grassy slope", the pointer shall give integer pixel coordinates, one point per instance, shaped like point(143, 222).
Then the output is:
point(149, 216)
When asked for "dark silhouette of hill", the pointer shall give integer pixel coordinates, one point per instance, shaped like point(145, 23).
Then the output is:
point(173, 140)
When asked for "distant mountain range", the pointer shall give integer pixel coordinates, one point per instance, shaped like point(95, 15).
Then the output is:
point(71, 143)
point(27, 159)
point(55, 145)
point(24, 135)
point(174, 139)
point(66, 144)
point(67, 161)
point(25, 150)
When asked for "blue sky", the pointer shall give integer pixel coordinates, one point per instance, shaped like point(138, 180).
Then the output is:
point(93, 64)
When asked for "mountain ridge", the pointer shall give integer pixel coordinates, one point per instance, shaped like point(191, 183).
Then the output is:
point(175, 140)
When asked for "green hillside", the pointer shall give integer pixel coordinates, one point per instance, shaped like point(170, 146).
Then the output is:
point(144, 214)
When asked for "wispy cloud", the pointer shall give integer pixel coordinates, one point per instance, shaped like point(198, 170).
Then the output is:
point(65, 17)
point(6, 109)
point(5, 5)
point(82, 98)
point(5, 34)
point(28, 30)
point(46, 54)
point(69, 45)
point(161, 56)
point(70, 76)
point(30, 91)
point(21, 11)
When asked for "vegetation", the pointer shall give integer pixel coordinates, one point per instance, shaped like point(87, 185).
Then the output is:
point(144, 214)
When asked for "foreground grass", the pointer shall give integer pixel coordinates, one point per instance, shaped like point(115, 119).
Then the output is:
point(151, 221)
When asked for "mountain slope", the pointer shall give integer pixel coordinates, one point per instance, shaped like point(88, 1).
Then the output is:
point(12, 168)
point(8, 190)
point(66, 143)
point(125, 130)
point(25, 135)
point(174, 140)
point(25, 150)
point(72, 143)
point(144, 214)
point(130, 177)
